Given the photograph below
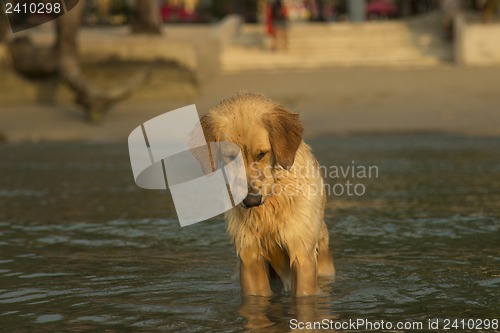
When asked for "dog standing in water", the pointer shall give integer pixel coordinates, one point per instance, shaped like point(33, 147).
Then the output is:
point(280, 222)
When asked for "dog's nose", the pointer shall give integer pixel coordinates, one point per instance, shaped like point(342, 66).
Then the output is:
point(252, 200)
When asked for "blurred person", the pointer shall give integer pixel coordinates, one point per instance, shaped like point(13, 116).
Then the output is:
point(277, 24)
point(320, 4)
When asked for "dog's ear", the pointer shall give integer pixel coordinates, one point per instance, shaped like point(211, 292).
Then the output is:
point(285, 134)
point(208, 128)
point(204, 132)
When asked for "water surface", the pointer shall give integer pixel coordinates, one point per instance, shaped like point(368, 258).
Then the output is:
point(82, 248)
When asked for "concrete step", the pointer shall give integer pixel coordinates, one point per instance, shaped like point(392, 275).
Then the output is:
point(319, 65)
point(241, 55)
point(317, 62)
point(387, 58)
point(313, 45)
point(320, 51)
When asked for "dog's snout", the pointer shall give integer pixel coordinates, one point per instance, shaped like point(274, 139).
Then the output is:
point(252, 200)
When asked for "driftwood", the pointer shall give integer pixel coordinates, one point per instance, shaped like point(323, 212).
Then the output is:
point(94, 101)
point(31, 61)
point(62, 59)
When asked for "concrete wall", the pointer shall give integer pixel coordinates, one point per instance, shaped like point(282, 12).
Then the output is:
point(195, 47)
point(477, 44)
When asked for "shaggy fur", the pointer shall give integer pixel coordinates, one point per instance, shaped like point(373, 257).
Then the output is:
point(286, 230)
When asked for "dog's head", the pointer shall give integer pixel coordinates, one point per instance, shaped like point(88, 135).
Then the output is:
point(267, 135)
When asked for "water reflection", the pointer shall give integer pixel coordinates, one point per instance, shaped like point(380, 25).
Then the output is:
point(269, 312)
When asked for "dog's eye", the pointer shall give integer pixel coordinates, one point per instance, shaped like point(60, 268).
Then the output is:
point(261, 155)
point(230, 157)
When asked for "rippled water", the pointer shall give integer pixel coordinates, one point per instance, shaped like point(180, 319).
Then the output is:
point(82, 248)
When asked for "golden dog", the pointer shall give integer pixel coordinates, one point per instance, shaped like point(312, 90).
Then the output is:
point(280, 222)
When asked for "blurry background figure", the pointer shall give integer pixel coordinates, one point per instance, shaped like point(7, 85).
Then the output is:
point(277, 24)
point(323, 11)
point(490, 8)
point(449, 9)
point(382, 9)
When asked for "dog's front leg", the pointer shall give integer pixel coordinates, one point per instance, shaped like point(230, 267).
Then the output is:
point(304, 276)
point(254, 278)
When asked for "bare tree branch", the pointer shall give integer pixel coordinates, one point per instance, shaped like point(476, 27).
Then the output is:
point(40, 62)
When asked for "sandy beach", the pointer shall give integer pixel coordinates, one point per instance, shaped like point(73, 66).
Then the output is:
point(334, 101)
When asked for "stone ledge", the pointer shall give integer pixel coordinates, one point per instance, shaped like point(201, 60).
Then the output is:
point(477, 44)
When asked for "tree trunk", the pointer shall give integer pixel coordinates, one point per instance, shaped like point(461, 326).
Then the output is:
point(146, 18)
point(4, 25)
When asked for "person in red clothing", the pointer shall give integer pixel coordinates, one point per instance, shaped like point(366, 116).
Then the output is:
point(277, 24)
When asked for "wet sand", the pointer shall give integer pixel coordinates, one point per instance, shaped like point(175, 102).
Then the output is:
point(343, 101)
